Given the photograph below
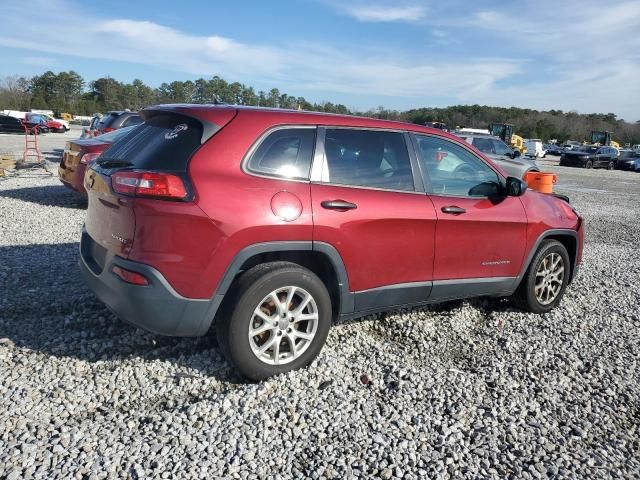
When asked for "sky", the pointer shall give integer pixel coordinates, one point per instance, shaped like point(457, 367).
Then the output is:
point(580, 55)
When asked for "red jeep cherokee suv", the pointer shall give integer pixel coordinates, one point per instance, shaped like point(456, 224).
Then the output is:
point(275, 222)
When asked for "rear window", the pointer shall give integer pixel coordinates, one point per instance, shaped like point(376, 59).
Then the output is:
point(115, 135)
point(132, 120)
point(107, 119)
point(164, 142)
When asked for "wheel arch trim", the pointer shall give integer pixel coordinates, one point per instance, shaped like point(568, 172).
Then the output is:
point(328, 250)
point(554, 232)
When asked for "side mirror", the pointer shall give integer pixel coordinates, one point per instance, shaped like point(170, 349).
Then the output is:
point(515, 153)
point(485, 189)
point(515, 187)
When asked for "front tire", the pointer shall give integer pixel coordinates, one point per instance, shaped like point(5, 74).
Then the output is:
point(610, 166)
point(276, 320)
point(589, 164)
point(546, 279)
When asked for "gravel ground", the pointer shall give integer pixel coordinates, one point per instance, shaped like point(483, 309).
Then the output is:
point(466, 389)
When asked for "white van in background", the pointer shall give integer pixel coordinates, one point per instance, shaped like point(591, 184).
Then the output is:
point(534, 148)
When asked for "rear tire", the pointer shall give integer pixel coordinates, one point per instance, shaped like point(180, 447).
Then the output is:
point(287, 335)
point(546, 279)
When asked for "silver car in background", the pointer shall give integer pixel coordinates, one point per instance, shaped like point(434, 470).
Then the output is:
point(502, 154)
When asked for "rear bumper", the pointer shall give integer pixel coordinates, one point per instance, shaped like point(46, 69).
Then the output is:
point(73, 177)
point(156, 307)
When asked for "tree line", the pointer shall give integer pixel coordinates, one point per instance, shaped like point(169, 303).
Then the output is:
point(69, 92)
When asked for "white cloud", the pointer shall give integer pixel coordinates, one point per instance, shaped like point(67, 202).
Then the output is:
point(385, 13)
point(148, 42)
point(588, 60)
point(581, 31)
point(301, 67)
point(39, 61)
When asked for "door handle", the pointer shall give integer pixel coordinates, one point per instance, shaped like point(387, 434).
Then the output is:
point(453, 210)
point(340, 205)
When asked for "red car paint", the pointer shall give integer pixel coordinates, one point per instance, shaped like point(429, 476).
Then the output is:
point(392, 238)
point(51, 124)
point(80, 153)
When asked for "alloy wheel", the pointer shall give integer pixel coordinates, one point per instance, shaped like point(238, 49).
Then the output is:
point(549, 278)
point(283, 325)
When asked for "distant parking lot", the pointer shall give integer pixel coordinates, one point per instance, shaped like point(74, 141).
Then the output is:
point(51, 144)
point(471, 388)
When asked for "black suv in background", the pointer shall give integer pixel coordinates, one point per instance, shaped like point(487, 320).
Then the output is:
point(590, 157)
point(118, 119)
point(10, 124)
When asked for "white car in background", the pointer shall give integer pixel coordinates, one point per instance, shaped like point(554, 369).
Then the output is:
point(535, 148)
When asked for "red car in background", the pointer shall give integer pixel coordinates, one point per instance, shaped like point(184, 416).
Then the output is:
point(81, 152)
point(52, 124)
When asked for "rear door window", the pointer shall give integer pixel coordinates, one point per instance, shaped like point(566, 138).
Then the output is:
point(165, 142)
point(285, 153)
point(367, 158)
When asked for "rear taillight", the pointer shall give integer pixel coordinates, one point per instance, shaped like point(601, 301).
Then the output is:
point(128, 276)
point(149, 184)
point(107, 129)
point(89, 157)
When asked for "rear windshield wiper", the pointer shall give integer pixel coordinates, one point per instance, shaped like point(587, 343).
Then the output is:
point(113, 163)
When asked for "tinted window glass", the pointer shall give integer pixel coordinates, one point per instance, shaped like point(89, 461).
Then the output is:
point(453, 170)
point(501, 148)
point(368, 158)
point(94, 122)
point(10, 121)
point(484, 145)
point(164, 142)
point(133, 120)
point(285, 153)
point(107, 119)
point(115, 135)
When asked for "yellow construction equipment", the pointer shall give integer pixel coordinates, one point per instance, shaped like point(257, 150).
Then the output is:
point(602, 138)
point(505, 132)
